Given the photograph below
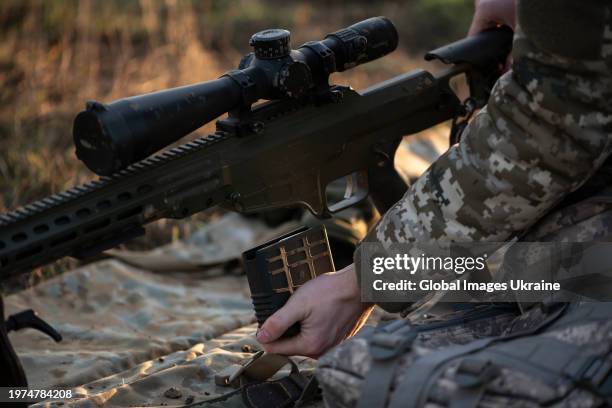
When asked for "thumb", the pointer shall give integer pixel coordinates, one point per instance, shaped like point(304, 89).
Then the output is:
point(479, 24)
point(281, 320)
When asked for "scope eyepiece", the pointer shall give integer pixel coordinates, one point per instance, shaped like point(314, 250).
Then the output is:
point(110, 137)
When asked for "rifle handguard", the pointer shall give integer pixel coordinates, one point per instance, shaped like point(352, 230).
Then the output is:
point(279, 267)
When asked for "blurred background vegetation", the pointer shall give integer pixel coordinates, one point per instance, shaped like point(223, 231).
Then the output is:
point(55, 55)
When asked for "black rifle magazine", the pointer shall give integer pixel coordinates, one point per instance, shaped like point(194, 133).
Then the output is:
point(279, 267)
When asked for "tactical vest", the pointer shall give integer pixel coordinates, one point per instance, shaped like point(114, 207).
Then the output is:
point(556, 354)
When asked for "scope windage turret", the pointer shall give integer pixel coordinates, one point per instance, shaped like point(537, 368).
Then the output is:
point(110, 137)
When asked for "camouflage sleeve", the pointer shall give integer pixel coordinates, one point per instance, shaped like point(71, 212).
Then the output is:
point(546, 129)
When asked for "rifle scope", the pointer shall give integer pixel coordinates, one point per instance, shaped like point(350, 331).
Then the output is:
point(110, 137)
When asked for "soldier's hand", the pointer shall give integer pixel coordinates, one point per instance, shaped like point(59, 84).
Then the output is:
point(329, 310)
point(490, 13)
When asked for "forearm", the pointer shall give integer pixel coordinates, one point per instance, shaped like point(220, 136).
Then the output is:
point(545, 131)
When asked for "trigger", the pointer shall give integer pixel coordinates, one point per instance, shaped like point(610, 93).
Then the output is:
point(350, 186)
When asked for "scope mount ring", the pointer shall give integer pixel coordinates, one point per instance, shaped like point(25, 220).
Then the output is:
point(247, 85)
point(325, 53)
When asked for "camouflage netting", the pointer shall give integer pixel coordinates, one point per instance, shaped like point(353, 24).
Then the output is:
point(131, 335)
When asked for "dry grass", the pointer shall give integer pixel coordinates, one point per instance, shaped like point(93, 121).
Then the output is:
point(45, 82)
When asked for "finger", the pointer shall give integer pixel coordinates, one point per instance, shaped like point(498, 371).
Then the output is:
point(281, 320)
point(296, 345)
point(479, 25)
point(475, 27)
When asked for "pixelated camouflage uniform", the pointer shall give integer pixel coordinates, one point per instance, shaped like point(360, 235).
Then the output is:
point(544, 133)
point(523, 167)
